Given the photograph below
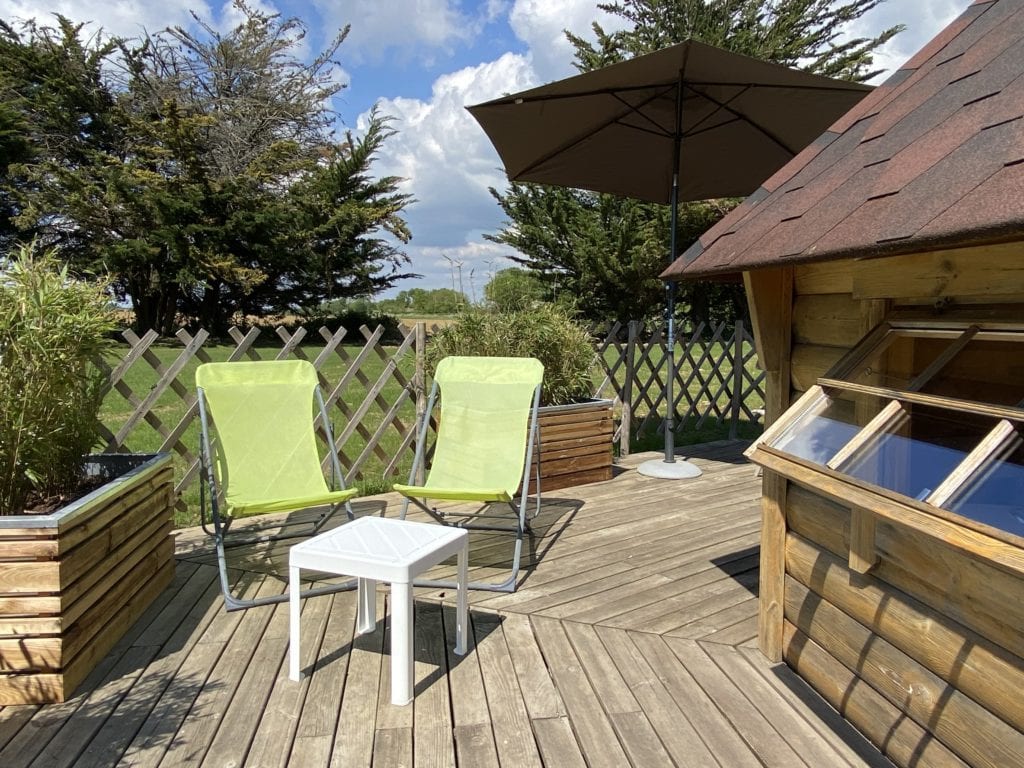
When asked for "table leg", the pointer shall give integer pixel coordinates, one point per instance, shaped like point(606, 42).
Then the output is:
point(293, 622)
point(461, 613)
point(401, 643)
point(366, 614)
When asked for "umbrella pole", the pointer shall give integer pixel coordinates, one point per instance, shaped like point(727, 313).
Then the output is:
point(669, 468)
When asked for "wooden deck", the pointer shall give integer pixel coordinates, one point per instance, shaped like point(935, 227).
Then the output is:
point(630, 642)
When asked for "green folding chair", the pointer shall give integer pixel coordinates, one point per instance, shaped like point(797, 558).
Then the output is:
point(484, 447)
point(259, 455)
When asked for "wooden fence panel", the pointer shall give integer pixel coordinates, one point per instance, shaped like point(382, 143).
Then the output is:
point(379, 391)
point(716, 377)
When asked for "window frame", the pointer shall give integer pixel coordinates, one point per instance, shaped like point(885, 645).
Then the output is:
point(927, 515)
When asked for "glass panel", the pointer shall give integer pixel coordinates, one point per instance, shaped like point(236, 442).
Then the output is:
point(918, 450)
point(996, 497)
point(985, 371)
point(900, 360)
point(820, 432)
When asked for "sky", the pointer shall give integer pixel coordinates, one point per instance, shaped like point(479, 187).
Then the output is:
point(422, 62)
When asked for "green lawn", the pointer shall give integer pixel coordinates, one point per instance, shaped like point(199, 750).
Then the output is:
point(169, 408)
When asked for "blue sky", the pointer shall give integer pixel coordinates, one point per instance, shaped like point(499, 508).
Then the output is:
point(423, 61)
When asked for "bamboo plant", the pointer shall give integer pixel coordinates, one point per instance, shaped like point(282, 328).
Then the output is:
point(53, 329)
point(544, 331)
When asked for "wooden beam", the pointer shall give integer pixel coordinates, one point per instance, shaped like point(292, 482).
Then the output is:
point(993, 270)
point(863, 554)
point(770, 295)
point(990, 675)
point(771, 596)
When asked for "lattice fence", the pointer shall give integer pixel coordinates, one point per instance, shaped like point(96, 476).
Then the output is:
point(379, 390)
point(376, 390)
point(716, 377)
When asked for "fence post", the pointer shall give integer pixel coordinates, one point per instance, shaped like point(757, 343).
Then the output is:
point(419, 384)
point(737, 379)
point(626, 429)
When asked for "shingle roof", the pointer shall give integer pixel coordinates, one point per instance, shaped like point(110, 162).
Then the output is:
point(933, 158)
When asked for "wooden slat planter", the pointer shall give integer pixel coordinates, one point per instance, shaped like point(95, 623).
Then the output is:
point(575, 444)
point(72, 583)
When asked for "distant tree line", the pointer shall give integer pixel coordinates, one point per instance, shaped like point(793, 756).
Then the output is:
point(199, 169)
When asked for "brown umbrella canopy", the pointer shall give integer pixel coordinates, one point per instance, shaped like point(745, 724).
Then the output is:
point(690, 122)
point(614, 129)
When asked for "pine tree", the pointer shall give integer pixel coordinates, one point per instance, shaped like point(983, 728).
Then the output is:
point(607, 251)
point(199, 169)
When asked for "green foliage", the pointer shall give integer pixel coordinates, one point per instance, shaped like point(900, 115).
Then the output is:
point(546, 332)
point(52, 328)
point(514, 288)
point(350, 315)
point(199, 169)
point(608, 251)
point(425, 301)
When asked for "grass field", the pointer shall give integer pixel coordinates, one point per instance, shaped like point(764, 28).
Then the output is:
point(169, 408)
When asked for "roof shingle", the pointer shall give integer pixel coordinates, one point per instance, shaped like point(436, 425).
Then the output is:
point(933, 158)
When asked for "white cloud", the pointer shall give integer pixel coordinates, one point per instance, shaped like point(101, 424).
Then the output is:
point(126, 18)
point(448, 163)
point(922, 20)
point(541, 24)
point(405, 30)
point(479, 259)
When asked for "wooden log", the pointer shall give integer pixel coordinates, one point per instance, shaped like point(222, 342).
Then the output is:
point(965, 588)
point(968, 729)
point(824, 277)
point(810, 361)
point(988, 271)
point(901, 739)
point(828, 319)
point(985, 672)
point(772, 566)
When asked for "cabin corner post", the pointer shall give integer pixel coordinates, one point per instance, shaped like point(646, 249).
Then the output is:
point(770, 296)
point(771, 595)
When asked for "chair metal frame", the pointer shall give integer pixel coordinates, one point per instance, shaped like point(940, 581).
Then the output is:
point(522, 526)
point(221, 525)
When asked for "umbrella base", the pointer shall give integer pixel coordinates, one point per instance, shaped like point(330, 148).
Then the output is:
point(669, 470)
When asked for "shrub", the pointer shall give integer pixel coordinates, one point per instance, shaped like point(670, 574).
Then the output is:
point(52, 328)
point(546, 332)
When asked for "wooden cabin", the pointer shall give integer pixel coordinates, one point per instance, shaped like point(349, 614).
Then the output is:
point(884, 267)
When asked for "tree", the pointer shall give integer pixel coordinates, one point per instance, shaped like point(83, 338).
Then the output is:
point(514, 289)
point(211, 181)
point(425, 301)
point(607, 250)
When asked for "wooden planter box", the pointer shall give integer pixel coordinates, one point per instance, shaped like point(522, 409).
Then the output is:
point(575, 444)
point(73, 582)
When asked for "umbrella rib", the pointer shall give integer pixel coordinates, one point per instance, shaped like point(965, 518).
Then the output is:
point(724, 105)
point(580, 139)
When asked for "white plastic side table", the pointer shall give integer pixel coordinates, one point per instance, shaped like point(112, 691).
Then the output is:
point(381, 549)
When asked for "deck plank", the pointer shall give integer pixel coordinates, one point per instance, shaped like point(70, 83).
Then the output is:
point(593, 729)
point(513, 736)
point(678, 736)
point(628, 642)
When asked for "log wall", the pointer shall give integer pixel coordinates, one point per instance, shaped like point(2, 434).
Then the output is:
point(923, 653)
point(70, 589)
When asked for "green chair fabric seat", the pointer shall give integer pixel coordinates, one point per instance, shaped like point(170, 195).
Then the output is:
point(259, 449)
point(487, 429)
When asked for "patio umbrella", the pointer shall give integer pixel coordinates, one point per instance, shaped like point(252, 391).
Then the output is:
point(689, 122)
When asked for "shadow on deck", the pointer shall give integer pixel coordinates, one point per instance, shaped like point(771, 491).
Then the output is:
point(631, 640)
